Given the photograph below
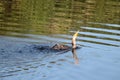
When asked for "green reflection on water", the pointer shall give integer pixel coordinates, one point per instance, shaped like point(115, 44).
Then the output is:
point(55, 16)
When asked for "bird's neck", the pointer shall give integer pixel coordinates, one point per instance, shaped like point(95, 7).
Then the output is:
point(74, 42)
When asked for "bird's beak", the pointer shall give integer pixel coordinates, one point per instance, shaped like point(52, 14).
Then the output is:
point(76, 34)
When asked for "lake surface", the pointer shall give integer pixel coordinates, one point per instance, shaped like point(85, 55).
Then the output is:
point(29, 22)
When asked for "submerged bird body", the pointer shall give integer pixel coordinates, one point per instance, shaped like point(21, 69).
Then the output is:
point(60, 47)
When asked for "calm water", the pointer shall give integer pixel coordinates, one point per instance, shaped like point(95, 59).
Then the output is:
point(55, 21)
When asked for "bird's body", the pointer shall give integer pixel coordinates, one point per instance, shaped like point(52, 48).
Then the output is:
point(60, 47)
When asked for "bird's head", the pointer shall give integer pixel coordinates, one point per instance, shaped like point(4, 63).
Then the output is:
point(76, 34)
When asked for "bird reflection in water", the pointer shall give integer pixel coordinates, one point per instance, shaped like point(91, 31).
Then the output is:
point(75, 56)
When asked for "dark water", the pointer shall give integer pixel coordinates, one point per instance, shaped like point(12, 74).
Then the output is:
point(24, 22)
